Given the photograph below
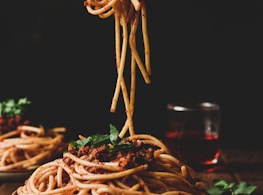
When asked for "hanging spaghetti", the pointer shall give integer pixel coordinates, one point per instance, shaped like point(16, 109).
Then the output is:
point(127, 18)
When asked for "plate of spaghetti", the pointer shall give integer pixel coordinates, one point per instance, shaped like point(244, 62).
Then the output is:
point(24, 147)
point(108, 164)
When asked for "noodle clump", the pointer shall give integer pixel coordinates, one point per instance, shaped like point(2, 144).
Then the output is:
point(138, 164)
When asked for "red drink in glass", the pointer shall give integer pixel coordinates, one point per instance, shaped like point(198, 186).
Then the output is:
point(194, 147)
point(192, 133)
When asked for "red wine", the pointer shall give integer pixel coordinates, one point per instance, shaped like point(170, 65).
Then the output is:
point(194, 147)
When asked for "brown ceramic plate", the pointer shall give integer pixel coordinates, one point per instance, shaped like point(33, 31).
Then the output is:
point(15, 175)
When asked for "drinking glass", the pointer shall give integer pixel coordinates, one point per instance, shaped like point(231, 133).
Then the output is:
point(192, 132)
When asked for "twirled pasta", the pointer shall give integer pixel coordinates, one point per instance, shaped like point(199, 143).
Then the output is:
point(27, 147)
point(77, 174)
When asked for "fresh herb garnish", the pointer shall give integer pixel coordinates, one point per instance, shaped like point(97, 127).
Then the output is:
point(10, 107)
point(221, 187)
point(112, 140)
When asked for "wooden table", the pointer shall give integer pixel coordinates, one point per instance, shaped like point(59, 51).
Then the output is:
point(235, 165)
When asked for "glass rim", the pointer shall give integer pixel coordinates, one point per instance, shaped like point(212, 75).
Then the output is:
point(189, 106)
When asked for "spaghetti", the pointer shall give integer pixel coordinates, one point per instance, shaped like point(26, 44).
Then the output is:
point(139, 164)
point(127, 14)
point(27, 147)
point(144, 168)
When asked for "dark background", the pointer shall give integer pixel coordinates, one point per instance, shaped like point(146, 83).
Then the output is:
point(63, 59)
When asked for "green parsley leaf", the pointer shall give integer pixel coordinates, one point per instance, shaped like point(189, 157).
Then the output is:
point(112, 140)
point(221, 187)
point(10, 107)
point(244, 188)
point(114, 134)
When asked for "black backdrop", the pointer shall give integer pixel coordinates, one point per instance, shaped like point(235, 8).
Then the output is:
point(62, 58)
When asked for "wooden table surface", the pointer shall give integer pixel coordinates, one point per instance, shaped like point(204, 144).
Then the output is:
point(235, 165)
